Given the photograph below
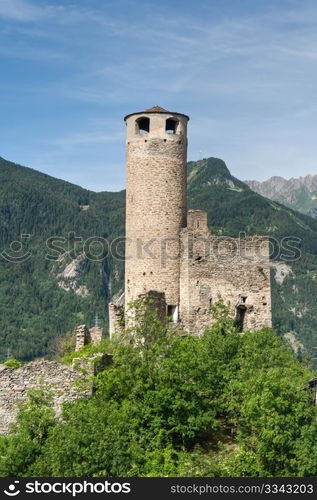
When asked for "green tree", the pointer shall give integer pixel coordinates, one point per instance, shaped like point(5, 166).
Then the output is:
point(26, 442)
point(222, 404)
point(269, 405)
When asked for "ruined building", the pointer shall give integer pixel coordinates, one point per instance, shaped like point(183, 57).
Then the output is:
point(169, 250)
point(65, 382)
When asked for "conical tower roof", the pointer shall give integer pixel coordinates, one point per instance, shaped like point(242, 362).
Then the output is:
point(155, 109)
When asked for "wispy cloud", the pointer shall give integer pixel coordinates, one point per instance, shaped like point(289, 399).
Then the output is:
point(246, 77)
point(20, 10)
point(197, 62)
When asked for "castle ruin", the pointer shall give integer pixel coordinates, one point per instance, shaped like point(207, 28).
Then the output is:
point(66, 383)
point(171, 257)
point(169, 250)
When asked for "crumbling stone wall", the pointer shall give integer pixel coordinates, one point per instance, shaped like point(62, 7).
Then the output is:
point(116, 314)
point(85, 336)
point(95, 335)
point(66, 383)
point(82, 337)
point(236, 270)
point(15, 384)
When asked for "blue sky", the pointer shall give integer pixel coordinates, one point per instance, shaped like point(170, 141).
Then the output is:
point(244, 70)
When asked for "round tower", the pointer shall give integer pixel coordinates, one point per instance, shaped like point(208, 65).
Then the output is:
point(156, 146)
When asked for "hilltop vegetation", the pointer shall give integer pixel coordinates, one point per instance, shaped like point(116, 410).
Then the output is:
point(43, 298)
point(177, 406)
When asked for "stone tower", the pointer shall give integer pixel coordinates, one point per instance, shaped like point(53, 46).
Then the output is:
point(156, 212)
point(171, 257)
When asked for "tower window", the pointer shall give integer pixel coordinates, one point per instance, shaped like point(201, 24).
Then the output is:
point(172, 313)
point(142, 125)
point(171, 126)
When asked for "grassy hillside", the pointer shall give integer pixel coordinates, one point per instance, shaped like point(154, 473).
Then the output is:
point(55, 289)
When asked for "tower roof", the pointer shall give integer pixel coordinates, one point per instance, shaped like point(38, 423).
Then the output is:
point(155, 109)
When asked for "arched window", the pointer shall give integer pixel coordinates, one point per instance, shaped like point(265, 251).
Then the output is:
point(142, 125)
point(171, 126)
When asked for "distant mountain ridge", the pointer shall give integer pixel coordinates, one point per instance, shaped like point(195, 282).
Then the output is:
point(298, 193)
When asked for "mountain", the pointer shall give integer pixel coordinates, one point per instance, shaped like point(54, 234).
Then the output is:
point(300, 194)
point(64, 282)
point(52, 285)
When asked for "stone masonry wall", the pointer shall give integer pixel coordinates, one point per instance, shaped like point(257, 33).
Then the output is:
point(84, 336)
point(15, 384)
point(155, 207)
point(116, 315)
point(95, 335)
point(59, 378)
point(234, 270)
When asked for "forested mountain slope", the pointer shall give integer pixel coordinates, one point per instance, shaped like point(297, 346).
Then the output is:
point(41, 298)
